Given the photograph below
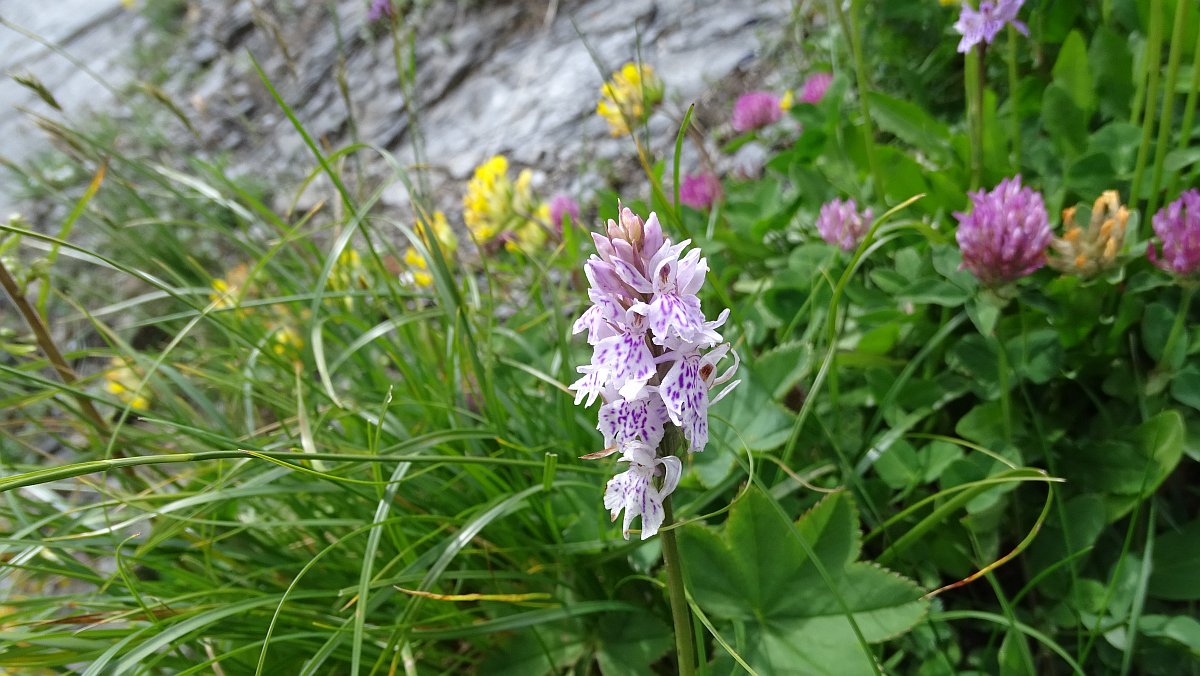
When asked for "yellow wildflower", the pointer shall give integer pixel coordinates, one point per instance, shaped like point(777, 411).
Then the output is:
point(1086, 252)
point(286, 342)
point(227, 290)
point(629, 97)
point(348, 273)
point(531, 236)
point(418, 266)
point(122, 381)
point(493, 203)
point(441, 232)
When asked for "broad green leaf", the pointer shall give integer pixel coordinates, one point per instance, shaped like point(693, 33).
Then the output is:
point(1064, 121)
point(1181, 158)
point(1036, 355)
point(1091, 174)
point(1072, 73)
point(1112, 72)
point(911, 124)
point(755, 420)
point(1156, 329)
point(1127, 468)
point(630, 643)
point(976, 357)
point(934, 292)
point(1182, 629)
point(1185, 386)
point(1119, 141)
point(780, 368)
point(755, 573)
point(1085, 519)
point(1176, 572)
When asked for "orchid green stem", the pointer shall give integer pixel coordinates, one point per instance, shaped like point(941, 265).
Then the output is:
point(680, 614)
point(973, 74)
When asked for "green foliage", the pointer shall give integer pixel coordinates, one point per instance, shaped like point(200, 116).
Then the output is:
point(315, 455)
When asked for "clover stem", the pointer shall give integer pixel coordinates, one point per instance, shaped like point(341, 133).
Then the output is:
point(1166, 363)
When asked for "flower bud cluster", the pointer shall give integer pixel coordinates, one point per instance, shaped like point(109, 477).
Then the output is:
point(1086, 252)
point(654, 360)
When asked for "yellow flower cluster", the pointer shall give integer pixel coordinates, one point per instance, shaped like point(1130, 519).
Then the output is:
point(347, 274)
point(1086, 252)
point(531, 236)
point(443, 234)
point(493, 203)
point(286, 342)
point(121, 380)
point(226, 290)
point(629, 97)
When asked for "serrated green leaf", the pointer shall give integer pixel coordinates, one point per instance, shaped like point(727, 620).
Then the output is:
point(756, 574)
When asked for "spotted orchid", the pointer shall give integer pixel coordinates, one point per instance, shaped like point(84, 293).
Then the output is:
point(654, 360)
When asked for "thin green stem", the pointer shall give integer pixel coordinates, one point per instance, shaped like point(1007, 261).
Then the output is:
point(46, 342)
point(47, 475)
point(1013, 102)
point(680, 615)
point(1189, 111)
point(1151, 64)
point(1185, 303)
point(1165, 118)
point(852, 29)
point(1002, 372)
point(973, 80)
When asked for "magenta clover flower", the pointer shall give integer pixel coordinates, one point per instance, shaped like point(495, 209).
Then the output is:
point(755, 110)
point(1178, 226)
point(379, 9)
point(841, 224)
point(561, 205)
point(653, 362)
point(699, 191)
point(815, 87)
point(983, 24)
point(1005, 235)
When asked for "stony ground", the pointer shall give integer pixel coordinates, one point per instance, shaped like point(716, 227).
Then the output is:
point(511, 76)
